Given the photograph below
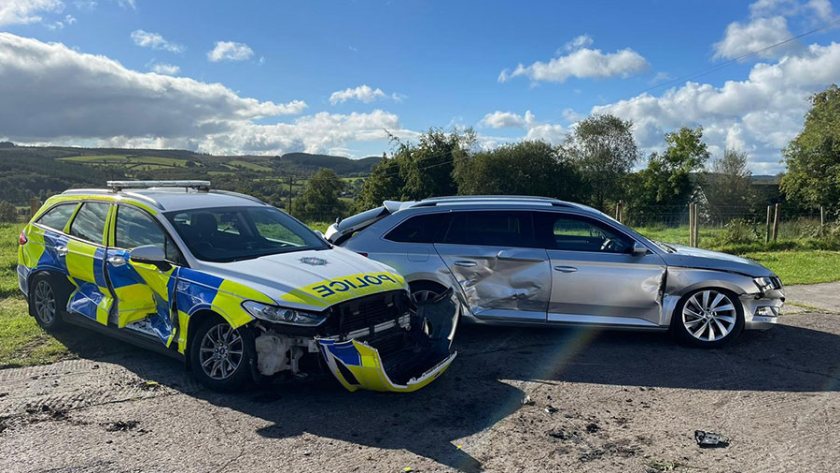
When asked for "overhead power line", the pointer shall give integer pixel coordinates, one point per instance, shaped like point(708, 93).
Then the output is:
point(739, 58)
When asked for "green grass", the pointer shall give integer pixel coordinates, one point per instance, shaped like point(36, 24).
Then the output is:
point(22, 342)
point(801, 267)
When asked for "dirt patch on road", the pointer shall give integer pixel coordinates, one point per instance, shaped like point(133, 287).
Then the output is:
point(515, 400)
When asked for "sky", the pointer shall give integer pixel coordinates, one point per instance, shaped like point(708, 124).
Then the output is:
point(340, 77)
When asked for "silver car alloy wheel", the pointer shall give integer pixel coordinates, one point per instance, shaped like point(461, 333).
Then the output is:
point(44, 301)
point(221, 351)
point(709, 315)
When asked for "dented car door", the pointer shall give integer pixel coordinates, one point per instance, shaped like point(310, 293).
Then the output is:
point(596, 278)
point(494, 259)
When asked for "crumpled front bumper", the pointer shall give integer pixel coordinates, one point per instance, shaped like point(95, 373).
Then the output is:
point(357, 365)
point(422, 355)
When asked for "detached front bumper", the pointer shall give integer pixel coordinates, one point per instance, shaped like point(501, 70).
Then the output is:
point(761, 311)
point(358, 365)
point(397, 362)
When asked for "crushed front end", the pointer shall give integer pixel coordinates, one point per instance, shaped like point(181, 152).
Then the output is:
point(380, 342)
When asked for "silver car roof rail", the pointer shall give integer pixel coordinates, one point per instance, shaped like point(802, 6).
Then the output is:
point(116, 186)
point(491, 199)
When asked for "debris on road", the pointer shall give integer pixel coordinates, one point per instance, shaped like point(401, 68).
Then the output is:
point(710, 439)
point(551, 409)
point(527, 401)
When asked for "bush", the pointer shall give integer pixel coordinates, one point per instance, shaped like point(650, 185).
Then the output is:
point(8, 212)
point(739, 231)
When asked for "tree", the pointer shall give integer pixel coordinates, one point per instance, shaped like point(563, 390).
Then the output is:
point(667, 178)
point(384, 183)
point(524, 168)
point(8, 212)
point(813, 157)
point(604, 150)
point(319, 200)
point(427, 167)
point(728, 185)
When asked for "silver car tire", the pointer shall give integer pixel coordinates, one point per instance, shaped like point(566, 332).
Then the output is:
point(708, 318)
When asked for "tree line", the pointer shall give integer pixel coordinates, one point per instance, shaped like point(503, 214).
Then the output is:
point(597, 165)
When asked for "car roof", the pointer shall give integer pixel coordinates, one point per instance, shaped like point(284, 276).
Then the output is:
point(174, 198)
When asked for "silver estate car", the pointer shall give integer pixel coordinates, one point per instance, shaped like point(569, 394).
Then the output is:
point(531, 260)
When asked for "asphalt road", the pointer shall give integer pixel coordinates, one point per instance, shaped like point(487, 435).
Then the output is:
point(600, 401)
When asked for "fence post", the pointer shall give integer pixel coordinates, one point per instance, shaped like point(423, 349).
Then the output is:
point(822, 220)
point(619, 208)
point(776, 219)
point(34, 205)
point(767, 227)
point(696, 227)
point(692, 217)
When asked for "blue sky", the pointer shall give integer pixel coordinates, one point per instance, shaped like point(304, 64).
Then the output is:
point(271, 77)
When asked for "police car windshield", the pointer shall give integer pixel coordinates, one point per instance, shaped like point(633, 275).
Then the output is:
point(240, 233)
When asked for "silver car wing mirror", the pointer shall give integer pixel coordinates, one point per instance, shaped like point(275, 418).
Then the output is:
point(638, 249)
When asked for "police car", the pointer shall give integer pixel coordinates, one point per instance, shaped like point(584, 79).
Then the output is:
point(234, 287)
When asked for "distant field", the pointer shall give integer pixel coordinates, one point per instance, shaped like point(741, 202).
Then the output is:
point(130, 162)
point(249, 166)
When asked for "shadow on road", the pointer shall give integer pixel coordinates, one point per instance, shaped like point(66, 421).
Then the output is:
point(473, 395)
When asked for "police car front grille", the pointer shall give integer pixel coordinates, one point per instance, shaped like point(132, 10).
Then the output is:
point(367, 312)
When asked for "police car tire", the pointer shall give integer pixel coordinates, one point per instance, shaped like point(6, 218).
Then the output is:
point(60, 294)
point(242, 377)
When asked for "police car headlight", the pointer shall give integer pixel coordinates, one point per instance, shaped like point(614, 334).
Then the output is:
point(282, 315)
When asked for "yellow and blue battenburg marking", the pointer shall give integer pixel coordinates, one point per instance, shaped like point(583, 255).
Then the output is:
point(357, 365)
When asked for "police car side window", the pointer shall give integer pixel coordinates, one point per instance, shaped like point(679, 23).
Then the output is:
point(89, 223)
point(57, 217)
point(136, 228)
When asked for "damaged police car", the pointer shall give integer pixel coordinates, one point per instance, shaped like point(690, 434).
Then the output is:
point(236, 288)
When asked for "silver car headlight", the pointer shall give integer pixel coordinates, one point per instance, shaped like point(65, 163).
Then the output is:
point(283, 315)
point(765, 284)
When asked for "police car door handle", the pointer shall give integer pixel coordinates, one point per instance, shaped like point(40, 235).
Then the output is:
point(61, 250)
point(565, 269)
point(465, 263)
point(116, 260)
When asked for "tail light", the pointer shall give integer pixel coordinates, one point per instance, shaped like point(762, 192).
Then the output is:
point(22, 240)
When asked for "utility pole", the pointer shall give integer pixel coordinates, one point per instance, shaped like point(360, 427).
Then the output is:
point(291, 183)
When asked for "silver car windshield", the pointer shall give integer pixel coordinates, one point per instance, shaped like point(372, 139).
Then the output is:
point(240, 233)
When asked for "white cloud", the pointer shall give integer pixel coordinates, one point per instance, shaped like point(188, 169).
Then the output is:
point(581, 62)
point(27, 11)
point(579, 42)
point(127, 4)
point(167, 69)
point(745, 38)
point(363, 93)
point(100, 98)
point(60, 24)
point(105, 104)
point(760, 114)
point(146, 39)
point(230, 51)
point(768, 25)
point(534, 130)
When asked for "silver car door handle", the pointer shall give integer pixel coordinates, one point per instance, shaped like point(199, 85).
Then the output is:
point(465, 264)
point(565, 269)
point(61, 250)
point(116, 260)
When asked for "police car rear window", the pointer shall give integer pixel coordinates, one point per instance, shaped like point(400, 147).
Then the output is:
point(57, 217)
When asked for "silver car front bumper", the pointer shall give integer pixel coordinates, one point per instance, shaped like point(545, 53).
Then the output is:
point(761, 311)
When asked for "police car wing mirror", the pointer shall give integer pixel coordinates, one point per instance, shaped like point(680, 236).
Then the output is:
point(150, 254)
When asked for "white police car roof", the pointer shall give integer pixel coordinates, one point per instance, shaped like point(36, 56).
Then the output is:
point(174, 195)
